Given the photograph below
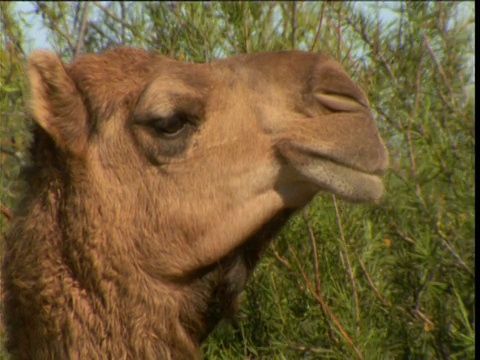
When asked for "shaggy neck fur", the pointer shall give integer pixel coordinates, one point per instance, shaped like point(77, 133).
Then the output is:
point(83, 294)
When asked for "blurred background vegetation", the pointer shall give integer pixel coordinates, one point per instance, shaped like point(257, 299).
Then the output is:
point(394, 280)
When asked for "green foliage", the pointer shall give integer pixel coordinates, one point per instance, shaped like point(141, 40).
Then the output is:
point(394, 280)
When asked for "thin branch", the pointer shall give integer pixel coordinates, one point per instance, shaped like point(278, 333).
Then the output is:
point(369, 42)
point(68, 29)
point(53, 25)
point(349, 266)
point(6, 212)
point(338, 29)
point(322, 11)
point(417, 313)
point(77, 12)
point(294, 23)
point(15, 154)
point(266, 36)
point(103, 34)
point(316, 350)
point(22, 114)
point(280, 258)
point(313, 242)
point(439, 66)
point(418, 85)
point(445, 243)
point(247, 30)
point(370, 282)
point(413, 167)
point(122, 12)
point(83, 27)
point(391, 122)
point(277, 300)
point(403, 236)
point(115, 17)
point(327, 309)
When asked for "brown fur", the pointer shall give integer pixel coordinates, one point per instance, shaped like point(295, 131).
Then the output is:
point(132, 243)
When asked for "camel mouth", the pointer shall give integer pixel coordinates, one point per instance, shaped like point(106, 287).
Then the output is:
point(350, 183)
point(355, 181)
point(360, 163)
point(352, 175)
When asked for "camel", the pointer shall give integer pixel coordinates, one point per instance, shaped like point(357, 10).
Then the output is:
point(155, 186)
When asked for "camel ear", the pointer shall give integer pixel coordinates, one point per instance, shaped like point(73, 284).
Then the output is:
point(56, 105)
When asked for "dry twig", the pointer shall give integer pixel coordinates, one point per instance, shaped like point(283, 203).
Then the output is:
point(6, 212)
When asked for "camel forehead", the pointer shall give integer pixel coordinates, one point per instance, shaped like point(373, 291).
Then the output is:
point(116, 78)
point(275, 64)
point(128, 59)
point(129, 67)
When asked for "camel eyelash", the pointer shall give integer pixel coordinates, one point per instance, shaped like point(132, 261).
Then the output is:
point(170, 126)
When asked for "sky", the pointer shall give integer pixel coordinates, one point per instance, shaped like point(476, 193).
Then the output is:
point(36, 33)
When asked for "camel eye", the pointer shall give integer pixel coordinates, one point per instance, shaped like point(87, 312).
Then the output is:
point(169, 127)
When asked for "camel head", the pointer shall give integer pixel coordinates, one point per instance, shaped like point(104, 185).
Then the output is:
point(160, 171)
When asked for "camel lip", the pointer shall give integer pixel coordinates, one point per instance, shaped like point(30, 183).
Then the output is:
point(369, 157)
point(378, 173)
point(373, 168)
point(299, 155)
point(353, 184)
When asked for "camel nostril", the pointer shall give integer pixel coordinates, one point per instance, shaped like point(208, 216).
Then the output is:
point(340, 102)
